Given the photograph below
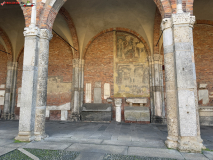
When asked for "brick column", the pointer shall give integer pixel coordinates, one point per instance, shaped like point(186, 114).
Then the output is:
point(8, 92)
point(29, 85)
point(171, 93)
point(189, 136)
point(75, 109)
point(43, 57)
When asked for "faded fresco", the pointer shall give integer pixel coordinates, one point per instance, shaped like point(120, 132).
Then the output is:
point(131, 71)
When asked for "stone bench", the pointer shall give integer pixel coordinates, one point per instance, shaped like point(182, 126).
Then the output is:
point(206, 115)
point(138, 114)
point(96, 112)
point(141, 101)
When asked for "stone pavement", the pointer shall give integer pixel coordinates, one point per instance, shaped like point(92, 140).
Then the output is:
point(94, 140)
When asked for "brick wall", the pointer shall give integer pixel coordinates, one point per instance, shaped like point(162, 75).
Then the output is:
point(3, 69)
point(59, 76)
point(99, 64)
point(203, 50)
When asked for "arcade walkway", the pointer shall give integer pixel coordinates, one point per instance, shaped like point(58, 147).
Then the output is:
point(95, 141)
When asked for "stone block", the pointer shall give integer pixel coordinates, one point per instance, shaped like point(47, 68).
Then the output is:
point(96, 116)
point(203, 95)
point(97, 95)
point(96, 112)
point(202, 86)
point(2, 92)
point(137, 114)
point(136, 100)
point(2, 86)
point(1, 100)
point(64, 115)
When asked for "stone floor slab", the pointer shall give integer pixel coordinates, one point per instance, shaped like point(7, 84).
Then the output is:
point(154, 152)
point(208, 154)
point(5, 141)
point(47, 145)
point(98, 148)
point(194, 156)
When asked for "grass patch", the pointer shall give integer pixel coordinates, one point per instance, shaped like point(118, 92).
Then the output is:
point(15, 154)
point(17, 141)
point(44, 154)
point(207, 149)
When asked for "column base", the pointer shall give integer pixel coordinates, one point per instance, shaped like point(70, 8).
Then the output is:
point(5, 116)
point(190, 144)
point(158, 120)
point(172, 142)
point(39, 137)
point(25, 136)
point(75, 117)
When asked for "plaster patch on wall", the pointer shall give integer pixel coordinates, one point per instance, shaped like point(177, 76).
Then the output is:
point(56, 85)
point(88, 93)
point(63, 108)
point(204, 95)
point(2, 86)
point(106, 90)
point(131, 70)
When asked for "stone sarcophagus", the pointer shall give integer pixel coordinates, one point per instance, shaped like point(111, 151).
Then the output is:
point(96, 112)
point(137, 114)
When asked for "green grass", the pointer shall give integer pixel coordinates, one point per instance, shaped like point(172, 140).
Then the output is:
point(17, 141)
point(15, 155)
point(44, 154)
point(207, 149)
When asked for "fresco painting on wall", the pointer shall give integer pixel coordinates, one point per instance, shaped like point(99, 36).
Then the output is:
point(131, 72)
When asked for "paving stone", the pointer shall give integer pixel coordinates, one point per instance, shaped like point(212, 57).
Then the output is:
point(69, 140)
point(194, 156)
point(5, 141)
point(98, 148)
point(154, 152)
point(208, 154)
point(47, 145)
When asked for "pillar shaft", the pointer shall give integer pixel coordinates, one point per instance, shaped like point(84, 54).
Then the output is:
point(189, 139)
point(75, 102)
point(29, 85)
point(43, 57)
point(171, 93)
point(8, 91)
point(13, 91)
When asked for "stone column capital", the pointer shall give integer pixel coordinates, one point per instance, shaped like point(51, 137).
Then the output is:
point(157, 57)
point(118, 102)
point(75, 62)
point(150, 59)
point(31, 31)
point(183, 19)
point(45, 34)
point(166, 23)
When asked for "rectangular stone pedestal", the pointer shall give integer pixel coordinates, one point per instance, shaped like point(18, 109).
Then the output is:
point(137, 114)
point(96, 112)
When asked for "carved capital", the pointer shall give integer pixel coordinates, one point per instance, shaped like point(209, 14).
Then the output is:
point(166, 23)
point(45, 34)
point(118, 102)
point(75, 62)
point(157, 57)
point(28, 31)
point(183, 18)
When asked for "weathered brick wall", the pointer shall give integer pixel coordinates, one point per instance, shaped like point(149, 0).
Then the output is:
point(99, 64)
point(59, 76)
point(203, 50)
point(3, 69)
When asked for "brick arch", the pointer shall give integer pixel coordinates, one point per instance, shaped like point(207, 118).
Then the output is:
point(73, 32)
point(207, 22)
point(165, 7)
point(117, 29)
point(8, 44)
